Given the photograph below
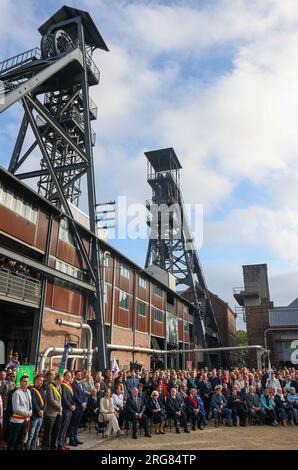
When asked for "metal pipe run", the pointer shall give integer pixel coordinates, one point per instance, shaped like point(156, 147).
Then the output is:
point(73, 357)
point(259, 349)
point(120, 347)
point(88, 329)
point(59, 351)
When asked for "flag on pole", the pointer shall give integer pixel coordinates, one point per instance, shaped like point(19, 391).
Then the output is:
point(115, 368)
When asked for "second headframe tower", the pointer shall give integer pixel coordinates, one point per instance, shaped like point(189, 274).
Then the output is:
point(172, 248)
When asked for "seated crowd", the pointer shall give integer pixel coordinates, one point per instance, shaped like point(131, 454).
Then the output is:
point(56, 406)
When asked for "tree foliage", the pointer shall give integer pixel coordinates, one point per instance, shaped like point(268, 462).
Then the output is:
point(241, 340)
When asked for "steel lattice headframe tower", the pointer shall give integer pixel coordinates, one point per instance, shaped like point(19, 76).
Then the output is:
point(52, 84)
point(171, 246)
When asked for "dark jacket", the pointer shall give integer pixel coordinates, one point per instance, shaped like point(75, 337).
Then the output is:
point(93, 404)
point(192, 382)
point(235, 402)
point(253, 400)
point(67, 397)
point(132, 408)
point(79, 394)
point(36, 403)
point(173, 405)
point(204, 389)
point(157, 416)
point(279, 403)
point(214, 381)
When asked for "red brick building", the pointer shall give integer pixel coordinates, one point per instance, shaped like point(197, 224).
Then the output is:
point(36, 235)
point(226, 320)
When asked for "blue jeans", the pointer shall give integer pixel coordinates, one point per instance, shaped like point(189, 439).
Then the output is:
point(35, 426)
point(226, 412)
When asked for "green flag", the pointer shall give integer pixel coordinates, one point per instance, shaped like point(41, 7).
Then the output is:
point(25, 370)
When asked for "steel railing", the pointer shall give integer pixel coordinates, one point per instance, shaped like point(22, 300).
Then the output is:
point(20, 59)
point(19, 286)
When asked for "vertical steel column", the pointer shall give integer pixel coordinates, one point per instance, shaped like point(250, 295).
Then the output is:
point(43, 290)
point(98, 303)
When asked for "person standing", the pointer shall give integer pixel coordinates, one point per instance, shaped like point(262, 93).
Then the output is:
point(68, 407)
point(21, 414)
point(53, 414)
point(38, 397)
point(80, 404)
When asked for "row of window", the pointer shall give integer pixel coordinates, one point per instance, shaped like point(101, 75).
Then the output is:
point(125, 272)
point(68, 269)
point(16, 203)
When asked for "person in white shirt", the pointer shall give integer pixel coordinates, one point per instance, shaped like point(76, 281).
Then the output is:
point(118, 400)
point(21, 413)
point(273, 382)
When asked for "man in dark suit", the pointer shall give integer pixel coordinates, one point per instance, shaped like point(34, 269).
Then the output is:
point(204, 388)
point(68, 407)
point(135, 408)
point(80, 404)
point(175, 411)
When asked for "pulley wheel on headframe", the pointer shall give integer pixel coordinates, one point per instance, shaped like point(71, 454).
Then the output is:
point(53, 44)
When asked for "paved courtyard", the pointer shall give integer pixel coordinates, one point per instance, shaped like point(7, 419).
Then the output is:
point(222, 438)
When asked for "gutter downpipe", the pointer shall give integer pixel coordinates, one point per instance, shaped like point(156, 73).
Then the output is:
point(86, 327)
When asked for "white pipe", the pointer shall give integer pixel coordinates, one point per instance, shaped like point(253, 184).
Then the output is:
point(120, 347)
point(69, 357)
point(86, 327)
point(58, 350)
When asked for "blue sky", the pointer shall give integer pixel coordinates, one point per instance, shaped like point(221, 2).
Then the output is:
point(218, 81)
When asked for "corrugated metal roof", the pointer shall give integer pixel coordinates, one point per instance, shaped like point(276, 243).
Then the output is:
point(294, 304)
point(283, 316)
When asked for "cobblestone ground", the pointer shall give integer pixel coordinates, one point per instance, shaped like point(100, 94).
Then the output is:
point(248, 438)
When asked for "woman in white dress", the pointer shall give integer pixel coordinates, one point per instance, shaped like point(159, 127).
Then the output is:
point(107, 410)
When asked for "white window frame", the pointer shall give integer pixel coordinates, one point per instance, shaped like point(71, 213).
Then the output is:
point(142, 314)
point(155, 310)
point(124, 271)
point(124, 296)
point(142, 282)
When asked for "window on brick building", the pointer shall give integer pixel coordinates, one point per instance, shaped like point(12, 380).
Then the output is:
point(142, 282)
point(158, 291)
point(157, 315)
point(142, 308)
point(124, 271)
point(123, 300)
